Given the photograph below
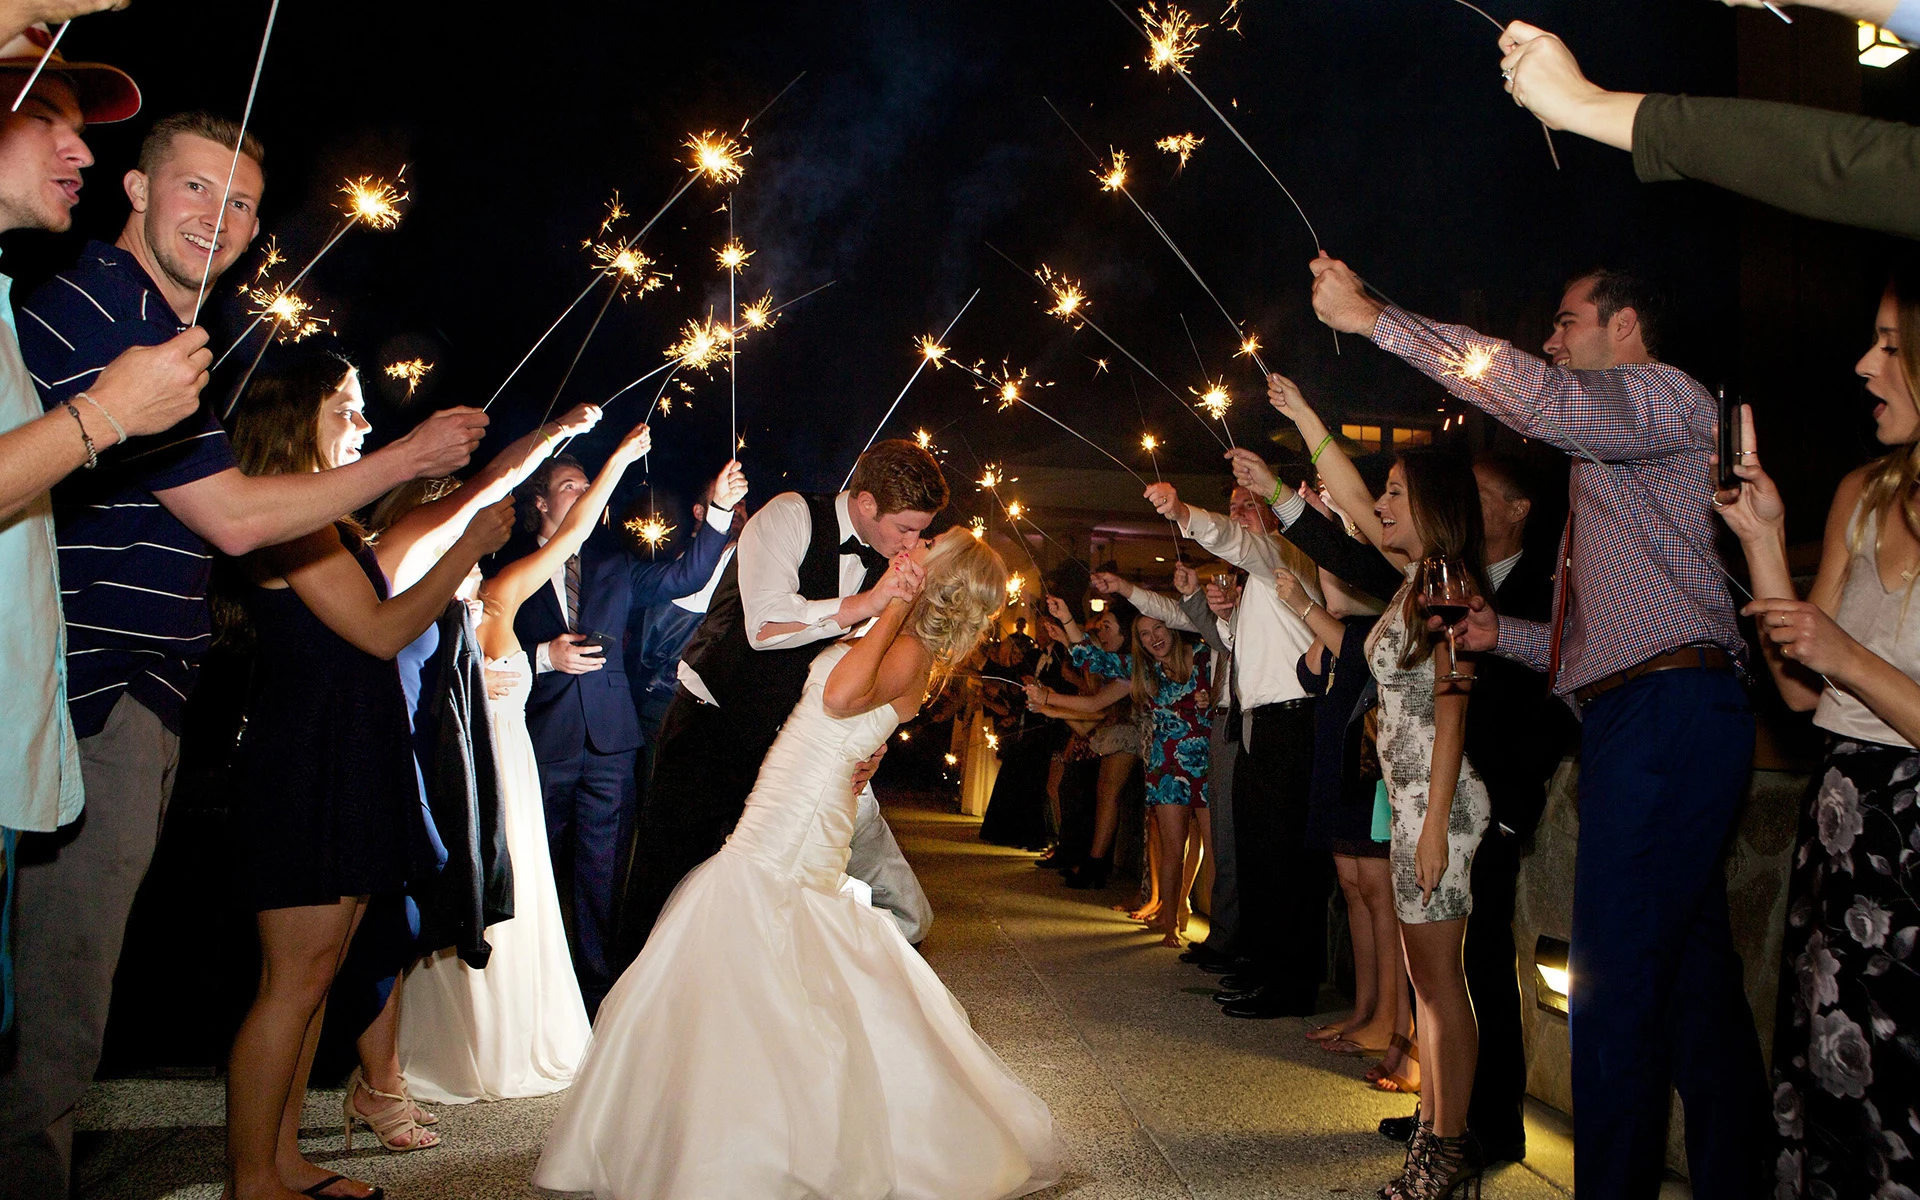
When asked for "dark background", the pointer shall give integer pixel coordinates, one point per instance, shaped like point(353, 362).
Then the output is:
point(917, 135)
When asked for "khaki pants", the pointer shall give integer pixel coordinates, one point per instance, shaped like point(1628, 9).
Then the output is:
point(75, 891)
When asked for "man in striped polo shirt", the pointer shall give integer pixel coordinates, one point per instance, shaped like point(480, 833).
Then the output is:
point(136, 543)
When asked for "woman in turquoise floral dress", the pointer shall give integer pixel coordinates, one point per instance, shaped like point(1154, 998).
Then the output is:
point(1167, 677)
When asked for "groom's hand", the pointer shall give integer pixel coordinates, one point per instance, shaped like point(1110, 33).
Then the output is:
point(575, 654)
point(864, 770)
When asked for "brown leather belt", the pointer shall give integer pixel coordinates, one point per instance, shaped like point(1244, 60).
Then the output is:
point(1705, 658)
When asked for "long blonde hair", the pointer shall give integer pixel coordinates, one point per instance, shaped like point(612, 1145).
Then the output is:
point(965, 591)
point(1894, 479)
point(1178, 667)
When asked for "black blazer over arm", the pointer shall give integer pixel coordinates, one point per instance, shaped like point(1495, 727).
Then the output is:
point(1356, 564)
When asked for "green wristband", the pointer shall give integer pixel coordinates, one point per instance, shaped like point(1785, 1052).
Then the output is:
point(1273, 501)
point(1324, 443)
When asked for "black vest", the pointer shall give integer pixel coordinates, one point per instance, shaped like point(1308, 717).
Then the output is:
point(760, 687)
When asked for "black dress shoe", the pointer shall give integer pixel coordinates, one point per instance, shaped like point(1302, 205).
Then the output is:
point(1199, 954)
point(1267, 1004)
point(1505, 1152)
point(1223, 965)
point(1400, 1129)
point(1235, 995)
point(1242, 981)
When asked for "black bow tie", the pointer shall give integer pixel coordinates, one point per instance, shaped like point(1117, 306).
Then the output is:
point(876, 562)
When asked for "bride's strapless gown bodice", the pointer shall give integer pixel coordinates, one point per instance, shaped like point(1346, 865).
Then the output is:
point(778, 1039)
point(798, 822)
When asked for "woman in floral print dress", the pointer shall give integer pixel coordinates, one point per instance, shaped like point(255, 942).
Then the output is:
point(1167, 677)
point(1846, 1057)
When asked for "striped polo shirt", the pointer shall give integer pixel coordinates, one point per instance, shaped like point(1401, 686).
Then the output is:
point(133, 579)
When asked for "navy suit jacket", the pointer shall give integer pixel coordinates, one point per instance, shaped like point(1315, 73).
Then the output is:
point(569, 713)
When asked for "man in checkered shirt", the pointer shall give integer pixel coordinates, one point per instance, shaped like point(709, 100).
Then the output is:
point(1644, 645)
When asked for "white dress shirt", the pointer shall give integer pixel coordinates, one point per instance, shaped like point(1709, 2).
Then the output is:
point(772, 547)
point(720, 518)
point(1161, 608)
point(1267, 638)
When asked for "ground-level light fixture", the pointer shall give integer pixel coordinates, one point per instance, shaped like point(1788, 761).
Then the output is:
point(1552, 979)
point(1879, 47)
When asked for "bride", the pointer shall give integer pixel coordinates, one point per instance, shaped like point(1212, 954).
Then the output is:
point(778, 1037)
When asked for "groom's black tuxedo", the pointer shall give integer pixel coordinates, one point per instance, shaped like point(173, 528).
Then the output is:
point(709, 754)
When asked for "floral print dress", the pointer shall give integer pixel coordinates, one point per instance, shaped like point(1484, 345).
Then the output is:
point(1176, 730)
point(1846, 1058)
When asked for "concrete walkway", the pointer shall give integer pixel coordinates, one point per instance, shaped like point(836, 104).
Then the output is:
point(1154, 1094)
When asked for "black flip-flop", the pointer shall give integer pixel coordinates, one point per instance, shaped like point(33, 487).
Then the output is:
point(318, 1189)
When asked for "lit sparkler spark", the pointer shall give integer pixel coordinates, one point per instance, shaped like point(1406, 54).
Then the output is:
point(1004, 387)
point(1249, 346)
point(990, 477)
point(1215, 400)
point(717, 156)
point(1171, 39)
point(1149, 443)
point(923, 439)
point(759, 314)
point(701, 344)
point(1015, 510)
point(614, 214)
point(270, 257)
point(733, 256)
point(1472, 364)
point(1114, 178)
point(413, 370)
point(932, 351)
point(1068, 299)
point(993, 739)
point(1181, 144)
point(978, 528)
point(1016, 586)
point(665, 404)
point(651, 530)
point(637, 277)
point(289, 312)
point(1099, 365)
point(373, 202)
point(953, 760)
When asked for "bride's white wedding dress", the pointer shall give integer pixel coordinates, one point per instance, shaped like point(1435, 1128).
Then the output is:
point(778, 1039)
point(518, 1027)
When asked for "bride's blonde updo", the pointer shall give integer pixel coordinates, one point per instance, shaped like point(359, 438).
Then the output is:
point(966, 588)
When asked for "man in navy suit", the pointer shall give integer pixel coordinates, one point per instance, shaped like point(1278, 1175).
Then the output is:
point(581, 714)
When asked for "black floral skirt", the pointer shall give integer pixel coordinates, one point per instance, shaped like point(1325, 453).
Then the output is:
point(1846, 1056)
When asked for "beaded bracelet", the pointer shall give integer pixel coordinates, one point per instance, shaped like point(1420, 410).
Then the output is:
point(93, 452)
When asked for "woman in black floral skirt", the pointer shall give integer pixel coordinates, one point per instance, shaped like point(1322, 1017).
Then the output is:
point(1846, 1058)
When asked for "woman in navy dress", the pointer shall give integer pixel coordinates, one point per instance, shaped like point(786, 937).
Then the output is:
point(326, 789)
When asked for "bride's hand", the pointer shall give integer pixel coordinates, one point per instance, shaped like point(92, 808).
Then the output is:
point(904, 579)
point(499, 683)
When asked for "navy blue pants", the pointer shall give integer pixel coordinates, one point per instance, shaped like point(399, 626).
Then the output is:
point(1657, 995)
point(589, 805)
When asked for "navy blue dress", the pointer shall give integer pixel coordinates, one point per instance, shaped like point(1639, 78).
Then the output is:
point(327, 789)
point(1340, 799)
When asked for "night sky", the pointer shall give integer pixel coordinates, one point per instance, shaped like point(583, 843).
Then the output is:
point(917, 136)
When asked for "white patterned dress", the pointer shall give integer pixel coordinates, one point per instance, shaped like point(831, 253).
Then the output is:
point(1406, 762)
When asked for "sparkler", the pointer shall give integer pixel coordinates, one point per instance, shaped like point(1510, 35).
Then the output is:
point(733, 259)
point(931, 351)
point(293, 320)
point(246, 116)
point(701, 344)
point(923, 439)
point(1552, 151)
point(1181, 145)
point(1074, 313)
point(650, 529)
point(1016, 587)
point(40, 66)
point(713, 156)
point(413, 370)
point(991, 477)
point(1005, 387)
point(978, 528)
point(759, 314)
point(733, 256)
point(1151, 445)
point(1114, 179)
point(673, 364)
point(370, 201)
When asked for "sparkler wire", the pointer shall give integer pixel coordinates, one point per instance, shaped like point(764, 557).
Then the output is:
point(42, 65)
point(924, 360)
point(733, 345)
point(255, 323)
point(579, 353)
point(220, 221)
point(1031, 406)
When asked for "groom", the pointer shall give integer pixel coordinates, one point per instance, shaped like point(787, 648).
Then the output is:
point(809, 571)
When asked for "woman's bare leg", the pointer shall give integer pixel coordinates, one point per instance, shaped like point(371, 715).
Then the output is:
point(1193, 855)
point(1366, 976)
point(1449, 1036)
point(1114, 770)
point(1392, 1010)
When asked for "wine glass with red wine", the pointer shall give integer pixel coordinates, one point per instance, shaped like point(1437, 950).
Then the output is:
point(1447, 591)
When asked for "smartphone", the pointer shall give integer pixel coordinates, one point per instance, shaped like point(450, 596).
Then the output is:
point(607, 642)
point(1729, 440)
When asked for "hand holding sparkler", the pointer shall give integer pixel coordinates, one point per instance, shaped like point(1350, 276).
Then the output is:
point(487, 531)
point(444, 442)
point(1545, 79)
point(1166, 501)
point(1340, 299)
point(1251, 472)
point(576, 421)
point(1058, 609)
point(150, 389)
point(637, 444)
point(729, 487)
point(1109, 584)
point(1186, 580)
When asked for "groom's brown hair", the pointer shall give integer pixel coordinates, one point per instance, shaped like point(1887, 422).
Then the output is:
point(902, 477)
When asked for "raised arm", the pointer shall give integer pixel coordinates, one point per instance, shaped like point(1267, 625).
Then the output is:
point(883, 667)
point(239, 513)
point(519, 579)
point(17, 15)
point(411, 544)
point(1051, 703)
point(1331, 630)
point(1149, 602)
point(330, 582)
point(688, 571)
point(1348, 491)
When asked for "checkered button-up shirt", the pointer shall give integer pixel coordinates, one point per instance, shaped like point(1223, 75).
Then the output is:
point(1646, 576)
